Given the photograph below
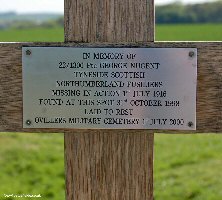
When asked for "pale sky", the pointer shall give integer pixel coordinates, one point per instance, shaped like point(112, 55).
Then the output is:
point(27, 6)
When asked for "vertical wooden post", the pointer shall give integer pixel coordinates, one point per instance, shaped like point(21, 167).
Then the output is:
point(109, 21)
point(109, 164)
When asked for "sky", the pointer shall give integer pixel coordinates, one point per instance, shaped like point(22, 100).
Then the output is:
point(56, 6)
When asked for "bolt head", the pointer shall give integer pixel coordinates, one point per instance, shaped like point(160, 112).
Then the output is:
point(190, 124)
point(28, 52)
point(28, 122)
point(191, 54)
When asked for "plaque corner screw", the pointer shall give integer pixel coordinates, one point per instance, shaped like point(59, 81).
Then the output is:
point(28, 122)
point(28, 52)
point(190, 124)
point(191, 54)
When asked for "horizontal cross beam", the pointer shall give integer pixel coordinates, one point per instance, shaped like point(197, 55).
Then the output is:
point(209, 89)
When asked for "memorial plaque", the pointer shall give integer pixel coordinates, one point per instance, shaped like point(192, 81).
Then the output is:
point(109, 88)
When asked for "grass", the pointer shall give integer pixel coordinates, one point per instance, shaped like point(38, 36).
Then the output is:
point(31, 35)
point(189, 32)
point(32, 164)
point(185, 32)
point(187, 167)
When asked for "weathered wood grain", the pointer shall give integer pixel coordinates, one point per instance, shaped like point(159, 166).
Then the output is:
point(209, 91)
point(114, 164)
point(109, 20)
point(109, 165)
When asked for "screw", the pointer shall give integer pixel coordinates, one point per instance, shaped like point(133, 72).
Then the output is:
point(191, 54)
point(190, 124)
point(28, 122)
point(28, 52)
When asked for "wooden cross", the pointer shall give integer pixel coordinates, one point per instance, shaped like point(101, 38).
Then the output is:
point(111, 164)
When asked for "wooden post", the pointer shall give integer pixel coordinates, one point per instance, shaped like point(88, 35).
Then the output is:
point(109, 164)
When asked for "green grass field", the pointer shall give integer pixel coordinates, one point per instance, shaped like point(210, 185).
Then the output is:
point(189, 32)
point(186, 32)
point(187, 167)
point(34, 34)
point(32, 164)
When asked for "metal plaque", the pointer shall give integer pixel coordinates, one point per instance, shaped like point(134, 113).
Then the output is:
point(109, 88)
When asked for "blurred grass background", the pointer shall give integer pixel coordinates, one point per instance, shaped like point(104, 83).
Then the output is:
point(189, 32)
point(32, 164)
point(32, 35)
point(187, 167)
point(164, 32)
